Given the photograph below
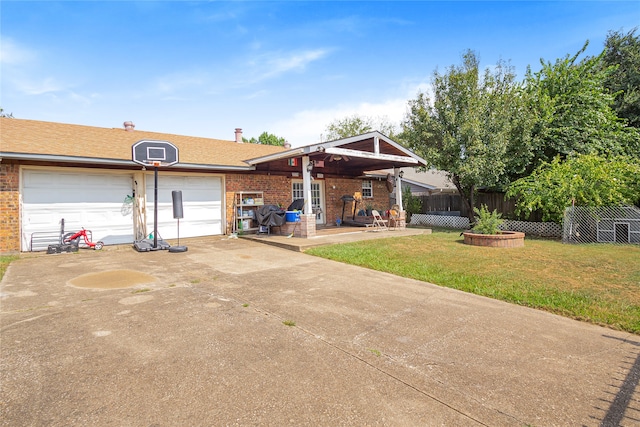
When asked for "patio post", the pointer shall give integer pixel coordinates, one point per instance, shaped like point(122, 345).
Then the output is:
point(396, 173)
point(307, 167)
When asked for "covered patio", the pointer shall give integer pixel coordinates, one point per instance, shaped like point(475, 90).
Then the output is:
point(330, 236)
point(347, 158)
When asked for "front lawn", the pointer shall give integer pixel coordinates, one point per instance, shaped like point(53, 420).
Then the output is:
point(5, 260)
point(598, 283)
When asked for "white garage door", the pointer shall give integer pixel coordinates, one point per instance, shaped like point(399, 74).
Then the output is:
point(201, 203)
point(93, 200)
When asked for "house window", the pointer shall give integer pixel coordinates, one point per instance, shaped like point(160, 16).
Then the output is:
point(297, 191)
point(367, 189)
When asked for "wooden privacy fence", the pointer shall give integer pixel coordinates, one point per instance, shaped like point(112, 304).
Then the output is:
point(493, 201)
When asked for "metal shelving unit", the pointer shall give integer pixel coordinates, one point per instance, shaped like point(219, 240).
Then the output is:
point(245, 206)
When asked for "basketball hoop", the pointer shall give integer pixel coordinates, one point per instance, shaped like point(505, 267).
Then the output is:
point(156, 154)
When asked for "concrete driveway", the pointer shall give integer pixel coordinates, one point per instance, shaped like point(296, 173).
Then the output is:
point(235, 332)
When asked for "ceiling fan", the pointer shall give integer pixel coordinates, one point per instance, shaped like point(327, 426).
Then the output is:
point(336, 158)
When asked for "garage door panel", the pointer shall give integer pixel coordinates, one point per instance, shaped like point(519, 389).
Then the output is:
point(201, 206)
point(50, 195)
point(99, 188)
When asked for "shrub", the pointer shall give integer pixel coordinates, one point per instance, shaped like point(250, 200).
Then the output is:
point(487, 222)
point(412, 204)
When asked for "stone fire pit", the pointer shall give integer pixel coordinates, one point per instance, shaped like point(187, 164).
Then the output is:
point(506, 239)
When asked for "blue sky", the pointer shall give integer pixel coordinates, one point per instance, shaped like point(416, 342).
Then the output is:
point(288, 68)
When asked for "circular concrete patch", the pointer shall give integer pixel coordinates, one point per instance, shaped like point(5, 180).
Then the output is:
point(111, 279)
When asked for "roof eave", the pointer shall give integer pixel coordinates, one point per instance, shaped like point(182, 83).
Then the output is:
point(323, 146)
point(113, 162)
point(420, 184)
point(294, 152)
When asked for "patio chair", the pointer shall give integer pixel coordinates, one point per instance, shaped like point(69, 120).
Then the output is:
point(396, 218)
point(378, 223)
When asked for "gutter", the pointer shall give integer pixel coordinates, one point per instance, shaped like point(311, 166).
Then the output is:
point(295, 152)
point(113, 162)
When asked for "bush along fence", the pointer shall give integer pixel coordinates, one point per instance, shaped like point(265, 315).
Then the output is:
point(601, 225)
point(542, 229)
point(448, 211)
point(451, 204)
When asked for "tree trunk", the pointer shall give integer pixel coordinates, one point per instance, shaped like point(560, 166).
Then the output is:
point(467, 198)
point(470, 205)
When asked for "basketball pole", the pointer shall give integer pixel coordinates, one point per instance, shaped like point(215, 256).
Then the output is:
point(152, 153)
point(155, 207)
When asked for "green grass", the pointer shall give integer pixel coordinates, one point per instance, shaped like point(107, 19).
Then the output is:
point(5, 260)
point(289, 323)
point(598, 283)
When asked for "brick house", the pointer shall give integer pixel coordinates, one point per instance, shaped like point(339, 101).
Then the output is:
point(86, 175)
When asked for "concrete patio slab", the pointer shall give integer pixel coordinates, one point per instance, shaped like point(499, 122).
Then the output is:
point(234, 332)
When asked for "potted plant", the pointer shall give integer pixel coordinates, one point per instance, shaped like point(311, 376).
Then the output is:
point(486, 231)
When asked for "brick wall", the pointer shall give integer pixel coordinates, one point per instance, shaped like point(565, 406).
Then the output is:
point(277, 190)
point(344, 186)
point(9, 207)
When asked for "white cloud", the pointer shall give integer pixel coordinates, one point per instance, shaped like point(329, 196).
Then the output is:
point(308, 126)
point(295, 61)
point(13, 54)
point(273, 64)
point(47, 85)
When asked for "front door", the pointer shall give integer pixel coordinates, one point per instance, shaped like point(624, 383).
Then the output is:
point(317, 198)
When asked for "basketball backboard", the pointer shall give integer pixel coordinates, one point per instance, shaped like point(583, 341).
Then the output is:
point(154, 153)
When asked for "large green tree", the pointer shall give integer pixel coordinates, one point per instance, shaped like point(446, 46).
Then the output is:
point(357, 125)
point(573, 110)
point(622, 51)
point(474, 126)
point(266, 138)
point(583, 180)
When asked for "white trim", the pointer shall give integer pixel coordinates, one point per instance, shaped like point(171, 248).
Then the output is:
point(277, 156)
point(322, 194)
point(368, 155)
point(410, 158)
point(115, 162)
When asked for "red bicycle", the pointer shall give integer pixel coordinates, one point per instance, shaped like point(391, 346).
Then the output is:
point(74, 237)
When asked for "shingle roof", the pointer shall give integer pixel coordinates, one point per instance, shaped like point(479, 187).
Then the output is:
point(60, 139)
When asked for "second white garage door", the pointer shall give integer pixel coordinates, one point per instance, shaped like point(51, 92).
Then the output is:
point(201, 201)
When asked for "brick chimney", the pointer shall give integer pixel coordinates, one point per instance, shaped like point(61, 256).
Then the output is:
point(129, 126)
point(239, 135)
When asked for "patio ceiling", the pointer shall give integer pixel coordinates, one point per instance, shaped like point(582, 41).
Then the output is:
point(348, 157)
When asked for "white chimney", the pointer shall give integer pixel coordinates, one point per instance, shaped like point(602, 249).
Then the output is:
point(239, 135)
point(129, 126)
point(287, 145)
